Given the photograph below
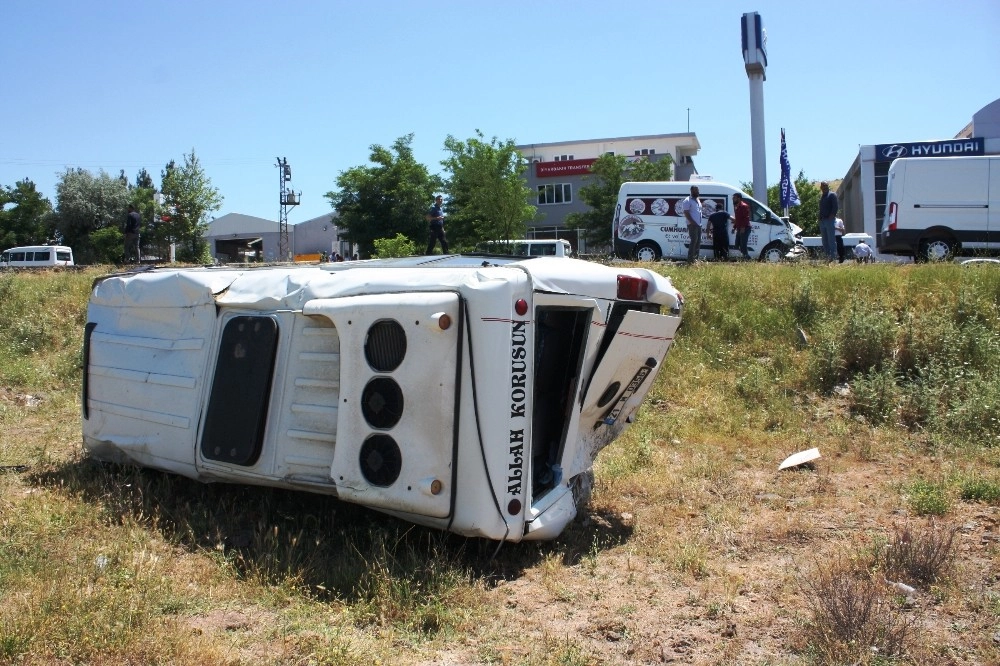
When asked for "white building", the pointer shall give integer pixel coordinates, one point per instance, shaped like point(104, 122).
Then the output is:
point(558, 170)
point(235, 237)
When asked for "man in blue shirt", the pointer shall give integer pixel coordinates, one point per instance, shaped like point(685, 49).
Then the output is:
point(436, 218)
point(828, 207)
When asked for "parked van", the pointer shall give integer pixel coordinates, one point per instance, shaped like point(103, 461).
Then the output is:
point(37, 256)
point(941, 207)
point(648, 224)
point(528, 248)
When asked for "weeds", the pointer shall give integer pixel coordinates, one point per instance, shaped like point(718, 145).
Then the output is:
point(855, 617)
point(927, 498)
point(918, 556)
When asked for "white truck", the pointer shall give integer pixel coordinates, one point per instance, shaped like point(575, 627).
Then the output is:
point(942, 207)
point(465, 393)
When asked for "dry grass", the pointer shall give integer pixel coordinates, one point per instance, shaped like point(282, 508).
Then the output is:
point(692, 551)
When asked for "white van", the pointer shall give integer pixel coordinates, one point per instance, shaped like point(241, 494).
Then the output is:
point(648, 224)
point(528, 248)
point(941, 207)
point(37, 256)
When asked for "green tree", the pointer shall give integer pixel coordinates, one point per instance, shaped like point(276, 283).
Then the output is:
point(806, 214)
point(487, 196)
point(86, 203)
point(400, 246)
point(188, 198)
point(600, 193)
point(389, 197)
point(24, 213)
point(143, 197)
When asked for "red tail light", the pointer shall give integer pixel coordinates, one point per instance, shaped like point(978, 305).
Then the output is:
point(892, 216)
point(632, 288)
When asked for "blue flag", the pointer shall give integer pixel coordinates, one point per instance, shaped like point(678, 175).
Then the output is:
point(789, 197)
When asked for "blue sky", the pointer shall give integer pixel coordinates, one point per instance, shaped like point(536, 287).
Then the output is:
point(107, 84)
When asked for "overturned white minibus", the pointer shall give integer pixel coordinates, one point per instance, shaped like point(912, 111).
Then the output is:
point(465, 393)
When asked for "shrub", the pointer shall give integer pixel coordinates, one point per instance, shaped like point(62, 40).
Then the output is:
point(926, 498)
point(875, 395)
point(979, 489)
point(918, 556)
point(854, 616)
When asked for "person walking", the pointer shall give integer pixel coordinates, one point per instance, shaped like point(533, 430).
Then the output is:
point(435, 216)
point(828, 207)
point(741, 224)
point(838, 232)
point(132, 224)
point(691, 207)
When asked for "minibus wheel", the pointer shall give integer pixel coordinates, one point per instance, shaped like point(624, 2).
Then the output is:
point(647, 251)
point(773, 253)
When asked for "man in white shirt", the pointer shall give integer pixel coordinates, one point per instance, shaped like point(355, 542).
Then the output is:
point(838, 231)
point(691, 207)
point(862, 253)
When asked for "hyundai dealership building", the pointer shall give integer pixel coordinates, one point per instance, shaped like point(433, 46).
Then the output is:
point(862, 192)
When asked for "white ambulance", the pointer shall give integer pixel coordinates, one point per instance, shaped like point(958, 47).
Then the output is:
point(465, 393)
point(648, 224)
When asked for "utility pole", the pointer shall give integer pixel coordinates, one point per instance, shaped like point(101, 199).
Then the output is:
point(288, 199)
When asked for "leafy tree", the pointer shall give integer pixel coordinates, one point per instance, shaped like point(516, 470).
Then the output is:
point(86, 203)
point(806, 214)
point(400, 246)
point(389, 197)
point(188, 198)
point(487, 196)
point(23, 215)
point(608, 173)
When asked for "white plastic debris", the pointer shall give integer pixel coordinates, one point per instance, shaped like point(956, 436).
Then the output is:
point(800, 458)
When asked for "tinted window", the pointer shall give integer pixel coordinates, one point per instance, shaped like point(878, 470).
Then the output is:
point(62, 255)
point(17, 256)
point(42, 256)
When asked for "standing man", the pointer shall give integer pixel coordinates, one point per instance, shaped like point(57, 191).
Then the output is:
point(132, 236)
point(436, 218)
point(720, 233)
point(828, 207)
point(691, 207)
point(741, 224)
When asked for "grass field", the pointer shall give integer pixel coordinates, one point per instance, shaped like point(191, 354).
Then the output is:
point(695, 548)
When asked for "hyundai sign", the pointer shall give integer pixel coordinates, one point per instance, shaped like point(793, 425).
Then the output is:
point(951, 148)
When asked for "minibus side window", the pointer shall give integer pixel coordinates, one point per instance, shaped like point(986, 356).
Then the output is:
point(17, 256)
point(41, 256)
point(62, 255)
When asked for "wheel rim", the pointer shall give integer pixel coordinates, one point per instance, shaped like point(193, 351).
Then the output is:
point(773, 255)
point(645, 253)
point(937, 250)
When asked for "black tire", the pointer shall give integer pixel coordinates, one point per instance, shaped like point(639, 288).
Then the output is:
point(937, 248)
point(647, 251)
point(773, 253)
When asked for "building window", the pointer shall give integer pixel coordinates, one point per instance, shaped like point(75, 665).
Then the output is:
point(562, 158)
point(555, 194)
point(610, 152)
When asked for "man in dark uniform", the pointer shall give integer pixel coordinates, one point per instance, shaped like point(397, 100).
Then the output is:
point(720, 233)
point(132, 236)
point(436, 218)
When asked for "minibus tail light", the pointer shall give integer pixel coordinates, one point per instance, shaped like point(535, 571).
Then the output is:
point(632, 288)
